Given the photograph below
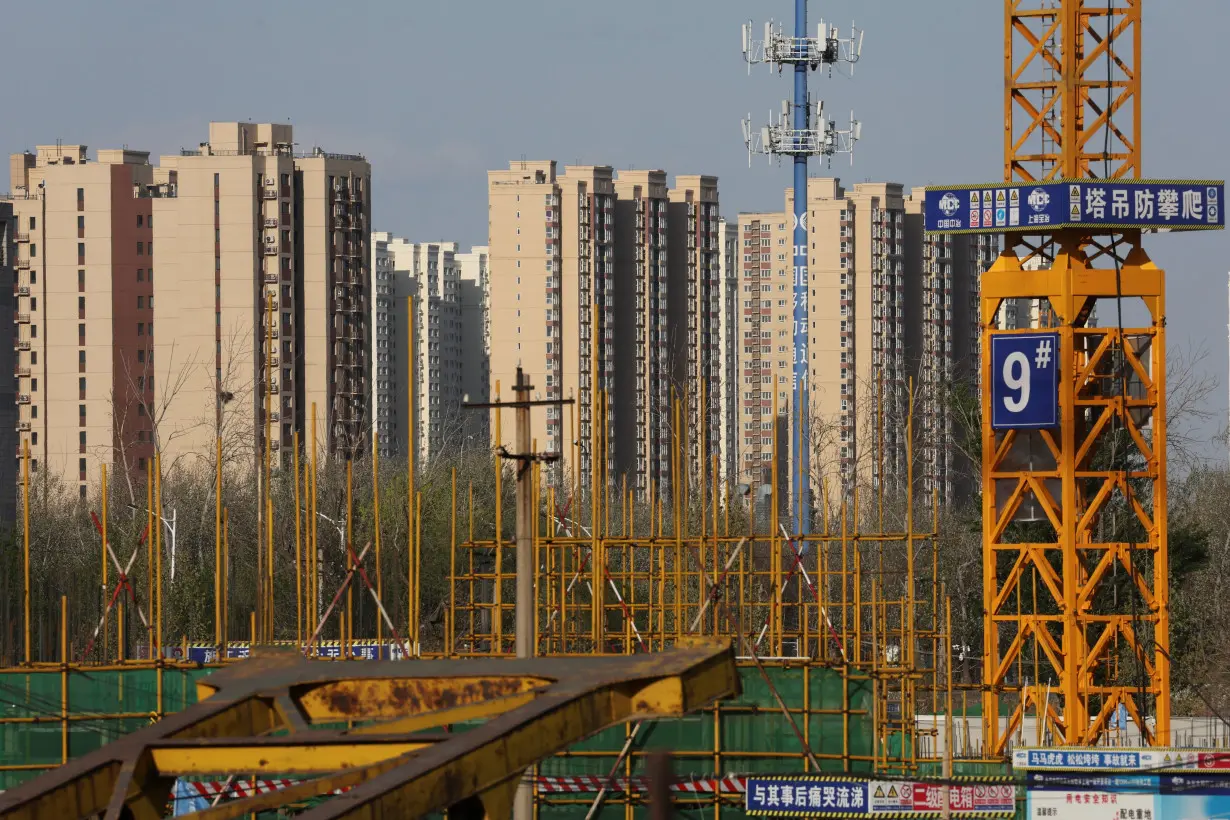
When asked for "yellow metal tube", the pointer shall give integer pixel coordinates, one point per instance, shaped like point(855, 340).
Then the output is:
point(63, 678)
point(218, 572)
point(25, 541)
point(376, 534)
point(158, 559)
point(298, 552)
point(102, 469)
point(347, 648)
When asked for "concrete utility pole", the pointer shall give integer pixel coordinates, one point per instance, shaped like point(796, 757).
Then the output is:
point(523, 806)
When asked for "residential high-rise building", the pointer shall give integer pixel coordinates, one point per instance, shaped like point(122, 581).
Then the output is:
point(729, 342)
point(86, 395)
point(644, 374)
point(9, 434)
point(474, 267)
point(886, 304)
point(425, 276)
point(435, 285)
point(695, 309)
point(385, 353)
point(551, 240)
point(604, 288)
point(942, 280)
point(258, 245)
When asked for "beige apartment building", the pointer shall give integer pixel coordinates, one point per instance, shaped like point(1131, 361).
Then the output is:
point(551, 240)
point(84, 338)
point(729, 341)
point(264, 274)
point(886, 304)
point(604, 288)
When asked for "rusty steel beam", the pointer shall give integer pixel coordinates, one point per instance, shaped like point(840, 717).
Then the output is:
point(533, 708)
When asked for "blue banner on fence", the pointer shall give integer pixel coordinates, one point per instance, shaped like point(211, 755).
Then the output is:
point(359, 650)
point(1075, 759)
point(798, 796)
point(1181, 205)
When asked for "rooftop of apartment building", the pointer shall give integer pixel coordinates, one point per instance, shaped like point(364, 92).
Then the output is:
point(225, 139)
point(830, 188)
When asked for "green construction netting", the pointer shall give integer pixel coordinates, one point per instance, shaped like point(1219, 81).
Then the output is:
point(745, 734)
point(102, 706)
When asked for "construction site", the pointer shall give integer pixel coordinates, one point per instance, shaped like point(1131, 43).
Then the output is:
point(598, 654)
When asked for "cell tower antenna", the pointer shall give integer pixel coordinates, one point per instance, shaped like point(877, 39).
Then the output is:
point(800, 133)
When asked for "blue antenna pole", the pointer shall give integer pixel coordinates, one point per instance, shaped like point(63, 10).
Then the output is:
point(800, 456)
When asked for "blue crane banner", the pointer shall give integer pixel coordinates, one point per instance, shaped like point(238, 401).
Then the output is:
point(1177, 205)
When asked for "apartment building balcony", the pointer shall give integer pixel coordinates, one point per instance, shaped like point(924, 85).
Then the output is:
point(272, 222)
point(271, 249)
point(21, 371)
point(23, 426)
point(23, 344)
point(269, 193)
point(23, 263)
point(271, 278)
point(21, 237)
point(23, 398)
point(23, 318)
point(21, 290)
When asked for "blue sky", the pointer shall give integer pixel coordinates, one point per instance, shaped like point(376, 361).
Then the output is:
point(435, 93)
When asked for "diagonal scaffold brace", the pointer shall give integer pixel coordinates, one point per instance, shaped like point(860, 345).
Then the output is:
point(122, 584)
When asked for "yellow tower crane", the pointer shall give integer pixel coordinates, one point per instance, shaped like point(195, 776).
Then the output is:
point(1076, 611)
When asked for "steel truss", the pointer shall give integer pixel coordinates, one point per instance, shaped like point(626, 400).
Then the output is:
point(394, 765)
point(1057, 120)
point(1053, 626)
point(1058, 641)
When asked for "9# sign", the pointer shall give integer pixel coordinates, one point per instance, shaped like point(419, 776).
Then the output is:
point(1024, 381)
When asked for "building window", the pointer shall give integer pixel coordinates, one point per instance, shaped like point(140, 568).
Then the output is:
point(140, 248)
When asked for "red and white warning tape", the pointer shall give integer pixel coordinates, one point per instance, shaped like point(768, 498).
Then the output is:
point(563, 784)
point(592, 783)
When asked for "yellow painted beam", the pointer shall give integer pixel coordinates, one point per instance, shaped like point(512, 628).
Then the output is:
point(289, 759)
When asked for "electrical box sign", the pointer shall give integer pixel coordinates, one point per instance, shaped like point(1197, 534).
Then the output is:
point(1108, 205)
point(824, 797)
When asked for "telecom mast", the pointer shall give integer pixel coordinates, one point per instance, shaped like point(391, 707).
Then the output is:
point(796, 134)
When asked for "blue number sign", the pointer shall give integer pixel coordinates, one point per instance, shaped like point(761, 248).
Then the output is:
point(1024, 381)
point(1182, 205)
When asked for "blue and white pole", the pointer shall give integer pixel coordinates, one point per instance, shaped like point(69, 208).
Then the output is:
point(800, 452)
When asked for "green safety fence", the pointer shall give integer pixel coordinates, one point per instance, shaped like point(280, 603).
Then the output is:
point(747, 734)
point(101, 706)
